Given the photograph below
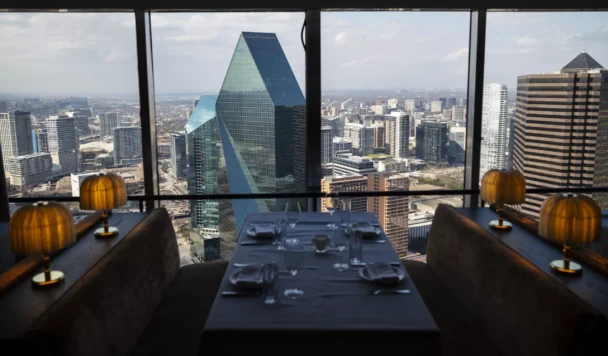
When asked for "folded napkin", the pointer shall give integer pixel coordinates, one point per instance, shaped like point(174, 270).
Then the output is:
point(250, 276)
point(382, 273)
point(264, 230)
point(367, 229)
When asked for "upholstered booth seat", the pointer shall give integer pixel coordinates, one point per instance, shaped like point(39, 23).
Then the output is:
point(489, 300)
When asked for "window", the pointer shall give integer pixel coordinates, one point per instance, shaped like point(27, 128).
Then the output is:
point(541, 107)
point(230, 118)
point(393, 114)
point(69, 103)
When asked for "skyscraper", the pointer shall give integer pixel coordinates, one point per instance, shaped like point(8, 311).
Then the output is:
point(262, 122)
point(397, 134)
point(107, 123)
point(42, 141)
point(392, 212)
point(342, 145)
point(561, 130)
point(15, 135)
point(457, 145)
point(437, 106)
point(179, 161)
point(127, 145)
point(203, 155)
point(63, 142)
point(30, 169)
point(82, 125)
point(432, 142)
point(362, 138)
point(327, 146)
point(493, 128)
point(458, 113)
point(336, 123)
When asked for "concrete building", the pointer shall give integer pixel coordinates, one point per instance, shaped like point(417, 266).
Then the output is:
point(82, 125)
point(179, 160)
point(392, 165)
point(379, 134)
point(432, 142)
point(493, 128)
point(392, 212)
point(412, 105)
point(327, 146)
point(393, 103)
point(362, 138)
point(380, 109)
point(437, 106)
point(346, 105)
point(397, 134)
point(15, 135)
point(342, 145)
point(561, 130)
point(77, 179)
point(346, 183)
point(127, 145)
point(457, 145)
point(63, 143)
point(458, 113)
point(107, 123)
point(462, 102)
point(30, 169)
point(336, 123)
point(345, 164)
point(42, 140)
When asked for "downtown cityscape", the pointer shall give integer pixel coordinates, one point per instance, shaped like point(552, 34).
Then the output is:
point(250, 137)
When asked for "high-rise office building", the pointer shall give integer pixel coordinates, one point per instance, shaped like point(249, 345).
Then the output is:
point(463, 102)
point(203, 157)
point(15, 135)
point(345, 164)
point(327, 146)
point(127, 145)
point(342, 145)
point(393, 103)
point(397, 134)
point(561, 130)
point(392, 212)
point(82, 125)
point(30, 169)
point(493, 128)
point(437, 106)
point(63, 142)
point(362, 138)
point(511, 143)
point(179, 160)
point(346, 183)
point(411, 105)
point(457, 145)
point(262, 122)
point(449, 102)
point(336, 123)
point(42, 140)
point(379, 134)
point(432, 142)
point(458, 113)
point(107, 123)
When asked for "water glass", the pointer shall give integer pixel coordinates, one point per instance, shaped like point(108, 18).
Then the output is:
point(294, 260)
point(344, 216)
point(271, 283)
point(280, 226)
point(340, 240)
point(356, 247)
point(292, 213)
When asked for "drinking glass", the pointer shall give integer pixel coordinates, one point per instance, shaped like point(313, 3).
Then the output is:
point(294, 259)
point(292, 213)
point(280, 232)
point(331, 202)
point(340, 239)
point(356, 247)
point(344, 214)
point(271, 283)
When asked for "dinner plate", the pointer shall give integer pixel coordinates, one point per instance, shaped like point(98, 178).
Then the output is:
point(400, 273)
point(251, 233)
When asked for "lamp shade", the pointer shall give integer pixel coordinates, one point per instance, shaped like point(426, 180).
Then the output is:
point(103, 192)
point(503, 187)
point(41, 227)
point(569, 218)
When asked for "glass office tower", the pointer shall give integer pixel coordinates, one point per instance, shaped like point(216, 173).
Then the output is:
point(262, 124)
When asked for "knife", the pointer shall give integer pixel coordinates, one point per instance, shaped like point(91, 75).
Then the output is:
point(236, 294)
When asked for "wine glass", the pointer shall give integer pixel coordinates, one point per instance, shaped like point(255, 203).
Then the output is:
point(344, 214)
point(294, 259)
point(292, 213)
point(340, 239)
point(331, 202)
point(280, 231)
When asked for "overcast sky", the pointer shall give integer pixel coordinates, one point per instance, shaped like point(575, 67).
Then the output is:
point(94, 54)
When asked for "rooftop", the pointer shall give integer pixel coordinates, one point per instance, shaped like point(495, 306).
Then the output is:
point(581, 62)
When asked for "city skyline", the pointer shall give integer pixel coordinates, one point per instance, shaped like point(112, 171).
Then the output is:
point(186, 45)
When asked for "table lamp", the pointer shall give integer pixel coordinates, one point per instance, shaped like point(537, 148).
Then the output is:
point(568, 219)
point(103, 192)
point(42, 227)
point(501, 186)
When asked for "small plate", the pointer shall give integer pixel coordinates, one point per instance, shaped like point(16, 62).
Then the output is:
point(364, 275)
point(233, 278)
point(251, 233)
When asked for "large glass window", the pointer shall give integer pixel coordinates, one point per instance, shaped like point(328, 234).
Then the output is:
point(69, 102)
point(230, 116)
point(394, 113)
point(543, 97)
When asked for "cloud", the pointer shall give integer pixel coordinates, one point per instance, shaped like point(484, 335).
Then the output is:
point(524, 41)
point(340, 37)
point(192, 37)
point(457, 54)
point(364, 60)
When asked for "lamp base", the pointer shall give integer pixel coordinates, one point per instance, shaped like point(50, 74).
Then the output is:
point(112, 231)
point(505, 225)
point(574, 268)
point(40, 280)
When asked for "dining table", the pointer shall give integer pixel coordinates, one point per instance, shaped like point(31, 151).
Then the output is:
point(339, 313)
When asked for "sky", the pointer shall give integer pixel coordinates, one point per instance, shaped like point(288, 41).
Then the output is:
point(95, 54)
